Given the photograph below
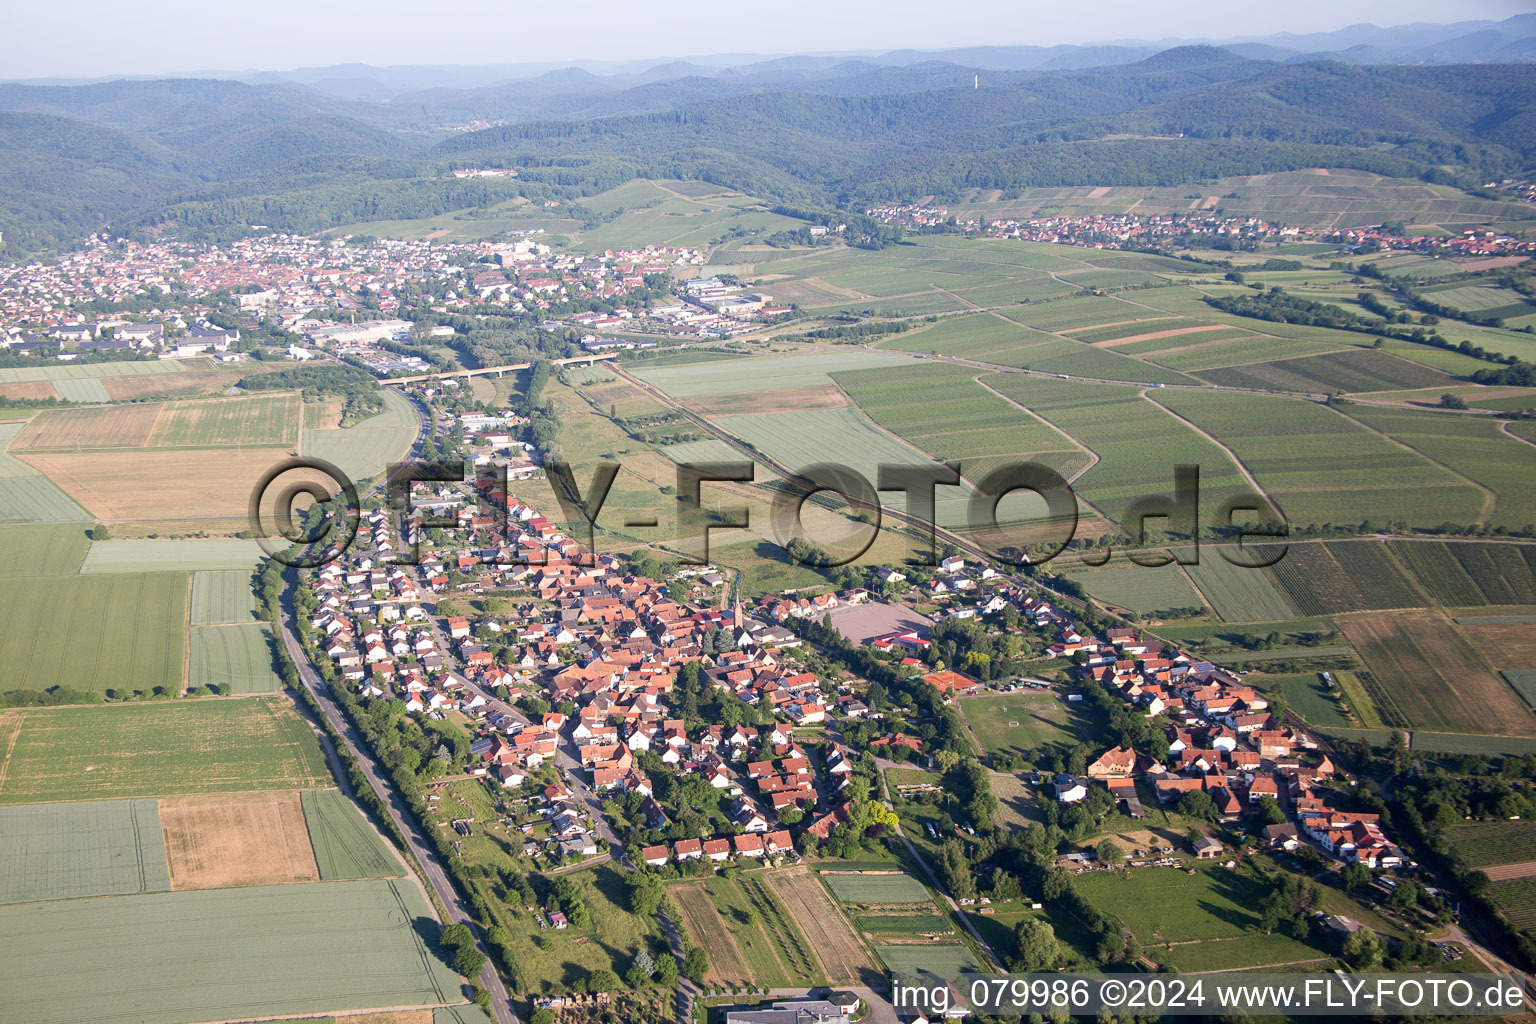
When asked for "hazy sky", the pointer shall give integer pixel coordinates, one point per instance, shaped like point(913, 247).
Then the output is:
point(88, 38)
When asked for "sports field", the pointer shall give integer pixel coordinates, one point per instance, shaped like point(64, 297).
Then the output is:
point(41, 550)
point(875, 890)
point(222, 954)
point(121, 632)
point(162, 555)
point(159, 748)
point(66, 851)
point(1023, 724)
point(345, 844)
point(223, 597)
point(235, 658)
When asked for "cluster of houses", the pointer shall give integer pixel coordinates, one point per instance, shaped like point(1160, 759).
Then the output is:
point(281, 279)
point(1196, 228)
point(608, 643)
point(1223, 741)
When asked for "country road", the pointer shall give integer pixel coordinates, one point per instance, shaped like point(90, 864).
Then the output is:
point(399, 813)
point(404, 820)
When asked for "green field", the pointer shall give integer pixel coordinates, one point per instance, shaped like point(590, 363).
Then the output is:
point(258, 421)
point(120, 632)
point(157, 749)
point(901, 924)
point(66, 851)
point(1308, 696)
point(28, 496)
point(1345, 576)
point(609, 943)
point(80, 371)
point(235, 658)
point(41, 550)
point(1364, 476)
point(1194, 921)
point(1468, 575)
point(769, 373)
point(114, 556)
point(1352, 370)
point(845, 436)
point(1238, 593)
point(1517, 898)
point(84, 389)
point(943, 410)
point(875, 889)
point(1481, 844)
point(776, 954)
point(221, 954)
point(1138, 442)
point(1340, 198)
point(1140, 588)
point(1475, 448)
point(945, 961)
point(368, 447)
point(346, 845)
point(223, 597)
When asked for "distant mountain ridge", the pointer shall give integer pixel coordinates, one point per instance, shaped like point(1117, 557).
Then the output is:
point(1512, 40)
point(211, 157)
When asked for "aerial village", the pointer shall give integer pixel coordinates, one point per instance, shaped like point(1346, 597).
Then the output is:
point(1198, 227)
point(578, 690)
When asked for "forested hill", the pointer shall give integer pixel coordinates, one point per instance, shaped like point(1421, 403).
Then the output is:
point(1047, 129)
point(210, 158)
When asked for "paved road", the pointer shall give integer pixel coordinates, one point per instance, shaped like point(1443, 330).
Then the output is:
point(400, 814)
